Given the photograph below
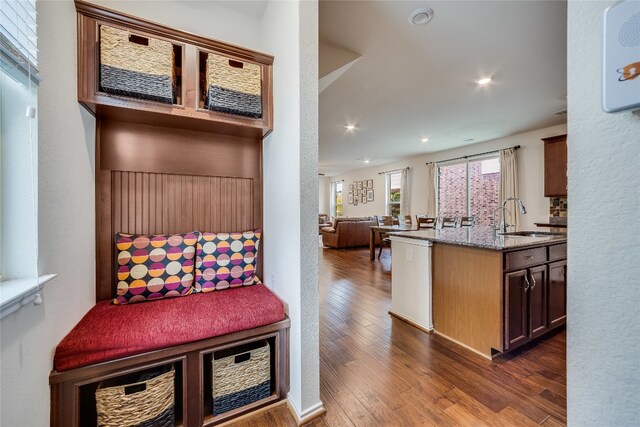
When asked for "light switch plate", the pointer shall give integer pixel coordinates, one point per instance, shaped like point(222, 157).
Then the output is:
point(621, 57)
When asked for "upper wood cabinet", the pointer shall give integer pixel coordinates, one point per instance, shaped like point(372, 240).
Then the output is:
point(189, 54)
point(555, 166)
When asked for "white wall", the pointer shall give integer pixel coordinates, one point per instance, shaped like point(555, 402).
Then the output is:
point(603, 327)
point(530, 175)
point(205, 18)
point(289, 32)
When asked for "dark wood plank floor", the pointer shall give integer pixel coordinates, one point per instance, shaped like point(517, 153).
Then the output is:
point(378, 371)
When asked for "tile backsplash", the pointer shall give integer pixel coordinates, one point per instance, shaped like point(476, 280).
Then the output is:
point(558, 209)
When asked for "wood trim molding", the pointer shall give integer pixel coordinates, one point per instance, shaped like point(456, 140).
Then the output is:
point(309, 415)
point(415, 325)
point(479, 353)
point(556, 138)
point(109, 15)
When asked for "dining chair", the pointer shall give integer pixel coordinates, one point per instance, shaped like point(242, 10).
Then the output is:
point(384, 220)
point(384, 238)
point(425, 222)
point(449, 222)
point(468, 221)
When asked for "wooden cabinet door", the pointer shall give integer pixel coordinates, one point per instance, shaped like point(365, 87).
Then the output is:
point(555, 166)
point(557, 293)
point(516, 285)
point(538, 320)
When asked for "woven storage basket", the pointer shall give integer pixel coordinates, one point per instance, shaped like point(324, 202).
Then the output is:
point(241, 379)
point(136, 70)
point(148, 402)
point(233, 87)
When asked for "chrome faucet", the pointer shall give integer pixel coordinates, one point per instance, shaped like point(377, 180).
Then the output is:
point(503, 222)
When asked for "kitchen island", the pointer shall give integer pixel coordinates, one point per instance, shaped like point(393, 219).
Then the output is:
point(490, 293)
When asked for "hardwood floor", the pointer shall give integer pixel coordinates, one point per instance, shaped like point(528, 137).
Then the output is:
point(376, 370)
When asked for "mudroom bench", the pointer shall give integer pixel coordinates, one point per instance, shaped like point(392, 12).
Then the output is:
point(180, 121)
point(184, 335)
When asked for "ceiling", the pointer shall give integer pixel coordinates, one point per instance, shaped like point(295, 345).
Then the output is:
point(413, 82)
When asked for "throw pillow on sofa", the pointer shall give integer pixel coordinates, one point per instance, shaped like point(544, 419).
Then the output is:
point(155, 266)
point(226, 260)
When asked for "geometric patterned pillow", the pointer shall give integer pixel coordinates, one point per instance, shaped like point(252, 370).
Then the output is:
point(226, 260)
point(155, 266)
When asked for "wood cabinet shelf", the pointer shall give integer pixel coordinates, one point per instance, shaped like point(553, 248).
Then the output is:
point(535, 296)
point(555, 166)
point(188, 110)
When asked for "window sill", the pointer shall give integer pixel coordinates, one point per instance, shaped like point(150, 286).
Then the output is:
point(15, 294)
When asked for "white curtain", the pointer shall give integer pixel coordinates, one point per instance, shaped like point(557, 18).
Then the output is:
point(332, 201)
point(405, 194)
point(431, 189)
point(509, 181)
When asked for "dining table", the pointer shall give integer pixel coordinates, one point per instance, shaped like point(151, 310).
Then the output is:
point(381, 229)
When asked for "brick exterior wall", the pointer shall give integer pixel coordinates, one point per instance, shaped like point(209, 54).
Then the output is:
point(452, 192)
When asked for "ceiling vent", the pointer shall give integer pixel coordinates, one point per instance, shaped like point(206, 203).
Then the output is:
point(421, 16)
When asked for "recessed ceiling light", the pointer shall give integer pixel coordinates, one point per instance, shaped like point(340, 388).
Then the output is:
point(421, 16)
point(484, 81)
point(423, 140)
point(468, 140)
point(350, 127)
point(367, 160)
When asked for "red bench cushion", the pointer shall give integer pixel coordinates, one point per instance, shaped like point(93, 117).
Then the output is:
point(110, 331)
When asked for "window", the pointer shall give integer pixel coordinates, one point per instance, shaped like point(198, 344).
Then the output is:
point(469, 188)
point(336, 198)
point(19, 134)
point(393, 194)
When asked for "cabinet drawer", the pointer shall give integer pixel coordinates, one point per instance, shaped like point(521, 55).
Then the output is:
point(557, 252)
point(528, 257)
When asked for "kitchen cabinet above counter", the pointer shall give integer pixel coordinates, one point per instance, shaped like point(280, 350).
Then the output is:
point(482, 238)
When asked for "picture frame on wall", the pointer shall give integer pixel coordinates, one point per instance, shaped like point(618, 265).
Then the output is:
point(370, 195)
point(363, 199)
point(350, 198)
point(370, 183)
point(355, 201)
point(365, 183)
point(350, 188)
point(359, 185)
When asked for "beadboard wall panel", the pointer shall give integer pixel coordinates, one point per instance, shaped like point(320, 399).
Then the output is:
point(158, 180)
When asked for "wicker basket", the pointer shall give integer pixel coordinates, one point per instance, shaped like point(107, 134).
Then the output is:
point(233, 87)
point(137, 67)
point(147, 402)
point(242, 378)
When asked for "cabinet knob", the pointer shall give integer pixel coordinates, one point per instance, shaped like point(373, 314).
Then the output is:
point(526, 283)
point(533, 279)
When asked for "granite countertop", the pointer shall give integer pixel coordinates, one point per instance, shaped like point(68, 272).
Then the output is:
point(480, 237)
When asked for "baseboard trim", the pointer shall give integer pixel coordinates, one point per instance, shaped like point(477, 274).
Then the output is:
point(414, 324)
point(463, 345)
point(307, 416)
point(254, 413)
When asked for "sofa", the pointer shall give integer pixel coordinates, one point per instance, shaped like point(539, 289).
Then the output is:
point(349, 232)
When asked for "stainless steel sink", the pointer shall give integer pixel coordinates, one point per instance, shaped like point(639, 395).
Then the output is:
point(532, 234)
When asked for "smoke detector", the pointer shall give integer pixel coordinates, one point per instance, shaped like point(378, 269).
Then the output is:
point(421, 16)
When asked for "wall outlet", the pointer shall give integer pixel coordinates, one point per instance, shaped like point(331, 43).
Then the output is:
point(410, 255)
